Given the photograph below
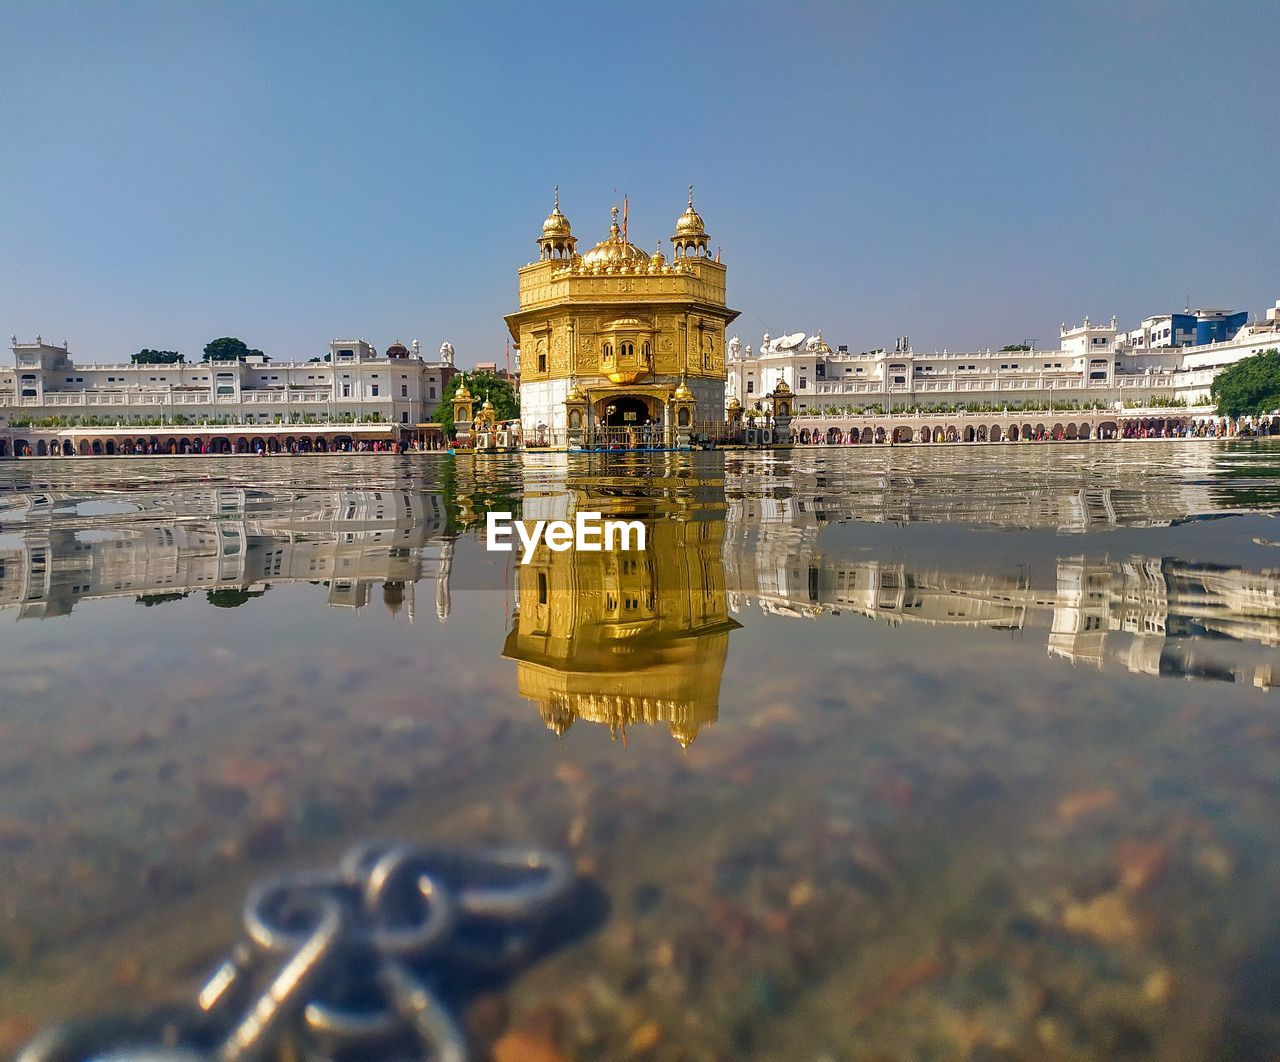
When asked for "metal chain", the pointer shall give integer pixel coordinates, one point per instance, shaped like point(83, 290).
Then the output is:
point(347, 962)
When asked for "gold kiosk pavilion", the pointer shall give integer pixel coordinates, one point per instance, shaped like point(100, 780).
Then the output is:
point(620, 348)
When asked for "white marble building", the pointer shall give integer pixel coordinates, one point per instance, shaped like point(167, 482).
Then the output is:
point(1094, 364)
point(353, 383)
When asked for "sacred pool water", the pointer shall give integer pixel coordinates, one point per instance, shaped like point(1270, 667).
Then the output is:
point(946, 752)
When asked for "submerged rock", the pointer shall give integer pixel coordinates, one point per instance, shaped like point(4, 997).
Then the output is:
point(1106, 918)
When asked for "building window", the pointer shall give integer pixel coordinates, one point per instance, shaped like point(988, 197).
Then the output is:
point(432, 390)
point(542, 361)
point(404, 390)
point(646, 351)
point(627, 350)
point(373, 390)
point(751, 386)
point(404, 417)
point(804, 382)
point(346, 390)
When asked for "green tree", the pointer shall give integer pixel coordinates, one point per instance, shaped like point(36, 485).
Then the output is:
point(151, 600)
point(497, 389)
point(1249, 387)
point(147, 356)
point(1016, 346)
point(232, 597)
point(228, 349)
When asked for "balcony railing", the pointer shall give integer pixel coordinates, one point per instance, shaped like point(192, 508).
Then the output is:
point(67, 399)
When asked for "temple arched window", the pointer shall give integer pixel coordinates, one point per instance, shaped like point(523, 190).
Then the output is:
point(646, 351)
point(608, 351)
point(627, 350)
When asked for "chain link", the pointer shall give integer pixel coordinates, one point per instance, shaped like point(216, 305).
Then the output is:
point(347, 962)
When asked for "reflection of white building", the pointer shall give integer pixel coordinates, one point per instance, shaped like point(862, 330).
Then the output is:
point(1150, 616)
point(228, 539)
point(1173, 356)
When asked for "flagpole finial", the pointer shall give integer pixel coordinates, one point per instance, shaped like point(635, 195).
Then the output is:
point(690, 197)
point(556, 197)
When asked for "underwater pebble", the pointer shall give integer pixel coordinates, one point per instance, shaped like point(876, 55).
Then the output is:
point(645, 1038)
point(520, 1046)
point(1106, 918)
point(1085, 802)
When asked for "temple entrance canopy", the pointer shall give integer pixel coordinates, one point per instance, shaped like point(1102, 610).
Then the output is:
point(626, 411)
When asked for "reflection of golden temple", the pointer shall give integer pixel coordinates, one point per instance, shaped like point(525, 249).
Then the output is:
point(625, 638)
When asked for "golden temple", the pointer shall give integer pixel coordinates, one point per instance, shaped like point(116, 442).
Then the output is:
point(620, 339)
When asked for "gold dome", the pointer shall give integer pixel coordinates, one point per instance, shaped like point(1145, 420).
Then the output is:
point(734, 403)
point(682, 393)
point(821, 346)
point(558, 716)
point(462, 392)
point(690, 222)
point(487, 404)
point(782, 388)
point(615, 250)
point(684, 732)
point(574, 395)
point(557, 225)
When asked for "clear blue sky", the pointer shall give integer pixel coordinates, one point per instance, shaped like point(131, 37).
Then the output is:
point(967, 174)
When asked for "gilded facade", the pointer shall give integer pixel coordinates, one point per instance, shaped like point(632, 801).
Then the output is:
point(609, 337)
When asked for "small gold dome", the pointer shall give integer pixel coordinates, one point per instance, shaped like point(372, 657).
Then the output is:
point(682, 393)
point(575, 395)
point(487, 404)
point(558, 717)
point(614, 250)
point(734, 403)
point(782, 388)
point(557, 225)
point(690, 222)
point(684, 732)
point(462, 392)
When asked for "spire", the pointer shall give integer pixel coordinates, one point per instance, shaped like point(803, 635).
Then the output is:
point(613, 229)
point(690, 197)
point(556, 200)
